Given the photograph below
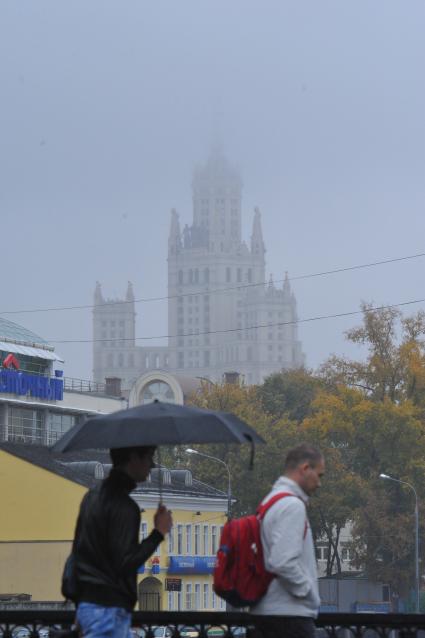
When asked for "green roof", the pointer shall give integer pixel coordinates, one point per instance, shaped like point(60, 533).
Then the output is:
point(12, 331)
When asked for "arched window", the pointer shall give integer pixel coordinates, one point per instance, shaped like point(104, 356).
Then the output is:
point(157, 390)
point(207, 275)
point(180, 277)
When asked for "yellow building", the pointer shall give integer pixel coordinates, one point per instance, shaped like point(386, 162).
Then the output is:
point(39, 500)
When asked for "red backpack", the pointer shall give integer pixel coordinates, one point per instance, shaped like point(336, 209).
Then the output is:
point(239, 575)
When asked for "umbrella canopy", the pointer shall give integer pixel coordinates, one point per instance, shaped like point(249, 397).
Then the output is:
point(157, 423)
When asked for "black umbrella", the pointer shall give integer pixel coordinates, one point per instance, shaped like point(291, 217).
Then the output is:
point(157, 423)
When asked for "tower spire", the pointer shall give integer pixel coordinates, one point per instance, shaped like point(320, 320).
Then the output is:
point(257, 242)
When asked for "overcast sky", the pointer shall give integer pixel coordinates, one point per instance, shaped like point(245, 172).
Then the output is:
point(106, 107)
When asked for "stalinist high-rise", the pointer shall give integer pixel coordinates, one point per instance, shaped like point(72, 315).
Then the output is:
point(223, 316)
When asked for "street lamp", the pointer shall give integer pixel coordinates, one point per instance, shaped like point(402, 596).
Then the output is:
point(214, 458)
point(391, 478)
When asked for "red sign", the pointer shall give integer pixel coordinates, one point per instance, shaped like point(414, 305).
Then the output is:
point(11, 362)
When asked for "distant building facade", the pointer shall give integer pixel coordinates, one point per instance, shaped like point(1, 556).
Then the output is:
point(222, 314)
point(38, 404)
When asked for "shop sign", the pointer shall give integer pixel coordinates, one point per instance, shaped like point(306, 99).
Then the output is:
point(12, 381)
point(191, 564)
point(173, 584)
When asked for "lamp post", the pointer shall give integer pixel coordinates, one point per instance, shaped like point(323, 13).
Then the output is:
point(391, 478)
point(214, 458)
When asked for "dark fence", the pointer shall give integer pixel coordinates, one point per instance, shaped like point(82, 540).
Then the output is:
point(45, 623)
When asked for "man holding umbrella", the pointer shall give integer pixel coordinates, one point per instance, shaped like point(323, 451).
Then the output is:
point(106, 549)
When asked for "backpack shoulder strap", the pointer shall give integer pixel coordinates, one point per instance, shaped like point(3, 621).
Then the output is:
point(262, 509)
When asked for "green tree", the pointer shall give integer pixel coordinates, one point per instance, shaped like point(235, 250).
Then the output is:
point(289, 394)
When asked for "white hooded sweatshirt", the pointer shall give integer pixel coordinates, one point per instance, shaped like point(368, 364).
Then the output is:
point(289, 553)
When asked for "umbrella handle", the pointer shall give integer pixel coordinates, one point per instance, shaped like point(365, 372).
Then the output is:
point(159, 475)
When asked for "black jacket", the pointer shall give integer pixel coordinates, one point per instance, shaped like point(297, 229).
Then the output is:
point(106, 546)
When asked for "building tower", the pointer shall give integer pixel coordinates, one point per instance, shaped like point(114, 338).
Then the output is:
point(114, 336)
point(222, 315)
point(217, 290)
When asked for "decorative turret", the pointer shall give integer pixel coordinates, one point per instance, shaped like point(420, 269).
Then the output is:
point(257, 243)
point(130, 293)
point(98, 297)
point(174, 238)
point(271, 284)
point(286, 286)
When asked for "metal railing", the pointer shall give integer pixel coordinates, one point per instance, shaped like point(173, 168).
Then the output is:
point(85, 386)
point(39, 623)
point(16, 433)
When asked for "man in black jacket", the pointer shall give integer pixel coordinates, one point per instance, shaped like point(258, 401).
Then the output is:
point(106, 547)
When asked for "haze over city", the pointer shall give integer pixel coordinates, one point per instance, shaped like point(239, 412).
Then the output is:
point(107, 109)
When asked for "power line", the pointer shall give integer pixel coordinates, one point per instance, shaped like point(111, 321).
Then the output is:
point(201, 291)
point(228, 330)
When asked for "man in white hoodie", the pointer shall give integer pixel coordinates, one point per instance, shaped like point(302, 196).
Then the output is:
point(292, 600)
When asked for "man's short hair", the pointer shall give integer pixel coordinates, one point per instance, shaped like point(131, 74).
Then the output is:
point(303, 453)
point(121, 455)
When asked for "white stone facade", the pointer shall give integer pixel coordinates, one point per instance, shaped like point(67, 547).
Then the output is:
point(218, 298)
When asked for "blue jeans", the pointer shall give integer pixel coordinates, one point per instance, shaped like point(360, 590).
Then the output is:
point(96, 621)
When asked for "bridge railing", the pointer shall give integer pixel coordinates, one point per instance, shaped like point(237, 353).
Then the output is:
point(48, 623)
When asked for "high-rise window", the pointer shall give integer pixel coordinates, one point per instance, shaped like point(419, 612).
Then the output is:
point(58, 424)
point(143, 530)
point(197, 540)
point(213, 539)
point(189, 596)
point(171, 541)
point(205, 540)
point(188, 539)
point(197, 596)
point(206, 594)
point(179, 540)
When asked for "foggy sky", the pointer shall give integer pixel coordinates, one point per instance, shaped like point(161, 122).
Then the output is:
point(107, 106)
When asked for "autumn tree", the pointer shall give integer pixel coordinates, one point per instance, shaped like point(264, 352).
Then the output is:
point(394, 367)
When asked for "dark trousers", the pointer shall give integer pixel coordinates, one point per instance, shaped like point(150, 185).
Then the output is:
point(284, 627)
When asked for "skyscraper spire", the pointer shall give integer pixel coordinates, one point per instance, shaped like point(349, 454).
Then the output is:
point(257, 243)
